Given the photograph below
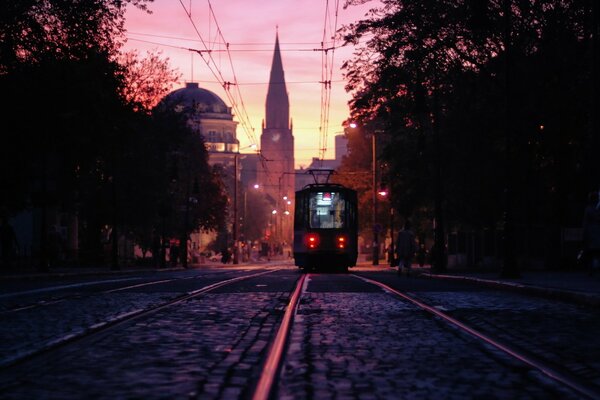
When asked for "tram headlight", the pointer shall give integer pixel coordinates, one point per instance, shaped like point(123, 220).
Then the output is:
point(311, 240)
point(341, 242)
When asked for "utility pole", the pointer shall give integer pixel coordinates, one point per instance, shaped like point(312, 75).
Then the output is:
point(235, 208)
point(509, 266)
point(375, 228)
point(392, 255)
point(439, 250)
point(186, 216)
point(594, 141)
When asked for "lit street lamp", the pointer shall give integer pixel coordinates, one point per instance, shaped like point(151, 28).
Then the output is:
point(375, 225)
point(236, 156)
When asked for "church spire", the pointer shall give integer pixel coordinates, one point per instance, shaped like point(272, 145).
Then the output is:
point(278, 105)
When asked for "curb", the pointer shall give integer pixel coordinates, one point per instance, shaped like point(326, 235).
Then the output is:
point(586, 299)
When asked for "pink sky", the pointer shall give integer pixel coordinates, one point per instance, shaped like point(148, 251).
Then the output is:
point(249, 27)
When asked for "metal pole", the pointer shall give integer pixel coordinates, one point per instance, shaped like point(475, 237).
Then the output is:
point(163, 240)
point(392, 255)
point(184, 237)
point(509, 265)
point(235, 209)
point(375, 231)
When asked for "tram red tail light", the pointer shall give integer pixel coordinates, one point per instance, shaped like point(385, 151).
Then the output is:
point(341, 242)
point(311, 240)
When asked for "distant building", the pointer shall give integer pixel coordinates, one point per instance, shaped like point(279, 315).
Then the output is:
point(303, 175)
point(209, 116)
point(276, 171)
point(341, 147)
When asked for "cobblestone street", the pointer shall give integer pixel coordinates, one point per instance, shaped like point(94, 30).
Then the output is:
point(349, 339)
point(348, 345)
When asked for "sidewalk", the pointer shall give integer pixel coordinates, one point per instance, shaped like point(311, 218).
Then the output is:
point(573, 286)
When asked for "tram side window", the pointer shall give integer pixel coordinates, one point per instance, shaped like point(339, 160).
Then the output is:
point(300, 211)
point(327, 210)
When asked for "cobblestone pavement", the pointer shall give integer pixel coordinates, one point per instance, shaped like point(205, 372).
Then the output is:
point(27, 331)
point(562, 334)
point(207, 347)
point(350, 345)
point(350, 340)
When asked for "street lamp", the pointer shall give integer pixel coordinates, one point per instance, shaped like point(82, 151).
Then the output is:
point(374, 193)
point(244, 218)
point(374, 190)
point(235, 202)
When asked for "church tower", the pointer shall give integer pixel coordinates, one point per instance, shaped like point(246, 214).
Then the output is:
point(277, 148)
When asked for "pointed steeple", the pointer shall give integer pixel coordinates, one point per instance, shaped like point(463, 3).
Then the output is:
point(278, 105)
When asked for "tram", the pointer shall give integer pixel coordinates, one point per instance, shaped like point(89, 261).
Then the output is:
point(325, 227)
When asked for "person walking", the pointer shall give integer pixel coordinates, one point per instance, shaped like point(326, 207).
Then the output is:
point(405, 248)
point(8, 244)
point(225, 255)
point(591, 232)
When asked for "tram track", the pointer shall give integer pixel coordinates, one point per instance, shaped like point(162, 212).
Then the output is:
point(261, 366)
point(78, 295)
point(562, 376)
point(45, 303)
point(120, 319)
point(265, 389)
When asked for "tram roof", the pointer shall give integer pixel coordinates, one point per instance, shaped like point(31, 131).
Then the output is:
point(324, 186)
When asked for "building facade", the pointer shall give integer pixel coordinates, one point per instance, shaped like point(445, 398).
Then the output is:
point(209, 116)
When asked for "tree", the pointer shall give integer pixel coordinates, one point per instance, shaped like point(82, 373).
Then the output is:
point(433, 73)
point(82, 139)
point(257, 213)
point(147, 80)
point(355, 173)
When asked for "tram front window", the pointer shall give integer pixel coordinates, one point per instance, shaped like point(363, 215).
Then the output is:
point(327, 210)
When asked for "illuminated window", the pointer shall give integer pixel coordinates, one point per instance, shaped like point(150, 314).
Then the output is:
point(327, 210)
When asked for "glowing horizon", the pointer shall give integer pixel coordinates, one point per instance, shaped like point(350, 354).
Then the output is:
point(301, 30)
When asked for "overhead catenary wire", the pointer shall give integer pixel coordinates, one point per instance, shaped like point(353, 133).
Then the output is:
point(216, 72)
point(242, 114)
point(230, 50)
point(214, 45)
point(229, 43)
point(238, 83)
point(327, 56)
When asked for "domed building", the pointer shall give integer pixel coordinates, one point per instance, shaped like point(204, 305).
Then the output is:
point(208, 115)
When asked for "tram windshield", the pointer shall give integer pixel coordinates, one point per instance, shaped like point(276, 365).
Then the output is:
point(327, 210)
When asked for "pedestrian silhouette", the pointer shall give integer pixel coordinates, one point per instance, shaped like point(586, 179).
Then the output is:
point(405, 248)
point(225, 255)
point(8, 244)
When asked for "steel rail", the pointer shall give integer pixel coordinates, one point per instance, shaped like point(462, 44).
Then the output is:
point(530, 361)
point(56, 288)
point(264, 388)
point(122, 319)
point(69, 297)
